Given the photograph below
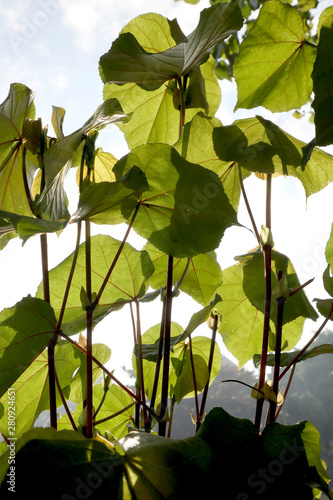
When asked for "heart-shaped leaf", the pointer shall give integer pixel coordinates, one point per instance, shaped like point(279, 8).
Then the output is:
point(111, 202)
point(25, 330)
point(32, 387)
point(275, 61)
point(254, 286)
point(196, 145)
point(13, 111)
point(129, 280)
point(155, 116)
point(186, 211)
point(202, 277)
point(128, 61)
point(74, 460)
point(261, 146)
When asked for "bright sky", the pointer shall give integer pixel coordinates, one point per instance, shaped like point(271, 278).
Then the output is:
point(53, 46)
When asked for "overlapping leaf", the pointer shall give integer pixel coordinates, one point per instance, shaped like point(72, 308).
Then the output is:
point(32, 387)
point(13, 111)
point(241, 324)
point(68, 456)
point(196, 145)
point(52, 201)
point(293, 450)
point(322, 81)
point(186, 211)
point(288, 357)
point(155, 117)
point(202, 278)
point(275, 61)
point(111, 202)
point(25, 330)
point(254, 286)
point(261, 146)
point(128, 61)
point(157, 467)
point(128, 280)
point(26, 226)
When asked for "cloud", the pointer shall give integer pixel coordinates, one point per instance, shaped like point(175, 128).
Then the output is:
point(96, 24)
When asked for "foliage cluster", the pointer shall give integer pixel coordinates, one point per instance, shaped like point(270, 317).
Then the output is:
point(179, 188)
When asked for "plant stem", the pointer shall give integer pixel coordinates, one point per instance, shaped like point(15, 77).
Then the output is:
point(120, 249)
point(141, 376)
point(256, 232)
point(89, 320)
point(267, 311)
point(210, 364)
point(277, 359)
point(52, 344)
point(64, 402)
point(105, 370)
point(194, 382)
point(158, 361)
point(166, 348)
point(70, 277)
point(286, 391)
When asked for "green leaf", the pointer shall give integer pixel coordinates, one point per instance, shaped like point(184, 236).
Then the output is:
point(254, 287)
point(261, 146)
point(32, 387)
point(322, 81)
point(324, 306)
point(202, 278)
point(129, 280)
point(111, 202)
point(79, 464)
point(328, 280)
point(30, 226)
point(155, 118)
point(57, 118)
point(186, 211)
point(157, 467)
point(196, 145)
point(198, 319)
point(288, 357)
point(77, 390)
point(241, 324)
point(128, 61)
point(183, 385)
point(329, 249)
point(25, 330)
point(52, 202)
point(13, 111)
point(283, 458)
point(275, 61)
point(116, 400)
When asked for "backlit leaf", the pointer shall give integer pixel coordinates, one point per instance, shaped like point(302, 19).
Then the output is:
point(275, 61)
point(127, 281)
point(186, 211)
point(111, 202)
point(322, 81)
point(259, 145)
point(202, 278)
point(241, 323)
point(25, 330)
point(32, 387)
point(196, 145)
point(127, 61)
point(13, 111)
